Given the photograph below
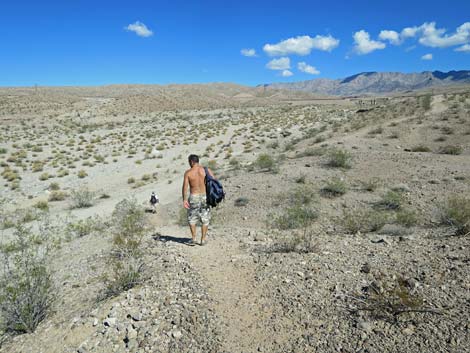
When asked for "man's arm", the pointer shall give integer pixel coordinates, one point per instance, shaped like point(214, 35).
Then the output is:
point(185, 190)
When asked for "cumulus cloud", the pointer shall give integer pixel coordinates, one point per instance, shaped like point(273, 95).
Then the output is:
point(286, 73)
point(140, 29)
point(426, 57)
point(437, 37)
point(248, 52)
point(409, 32)
point(392, 36)
point(301, 45)
point(364, 45)
point(464, 48)
point(304, 67)
point(279, 64)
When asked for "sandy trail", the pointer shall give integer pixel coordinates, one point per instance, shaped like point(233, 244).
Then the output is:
point(229, 274)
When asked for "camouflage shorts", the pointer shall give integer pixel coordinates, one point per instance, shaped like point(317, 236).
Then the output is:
point(198, 210)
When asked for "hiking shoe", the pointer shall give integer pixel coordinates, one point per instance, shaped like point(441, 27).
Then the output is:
point(191, 242)
point(203, 243)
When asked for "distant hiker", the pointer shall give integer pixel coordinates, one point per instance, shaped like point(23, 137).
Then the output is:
point(153, 202)
point(196, 204)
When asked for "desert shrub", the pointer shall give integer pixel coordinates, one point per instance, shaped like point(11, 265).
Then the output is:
point(82, 198)
point(57, 195)
point(241, 202)
point(387, 296)
point(311, 152)
point(420, 148)
point(131, 180)
point(302, 194)
point(371, 184)
point(334, 187)
point(456, 212)
point(265, 162)
point(42, 205)
point(26, 287)
point(338, 158)
point(212, 164)
point(234, 163)
point(44, 176)
point(86, 226)
point(54, 186)
point(426, 102)
point(302, 241)
point(301, 179)
point(392, 200)
point(451, 149)
point(363, 220)
point(82, 174)
point(294, 217)
point(406, 217)
point(129, 226)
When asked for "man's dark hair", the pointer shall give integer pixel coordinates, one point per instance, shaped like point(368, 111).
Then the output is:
point(193, 158)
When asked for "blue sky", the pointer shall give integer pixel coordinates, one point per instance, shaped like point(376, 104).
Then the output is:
point(85, 42)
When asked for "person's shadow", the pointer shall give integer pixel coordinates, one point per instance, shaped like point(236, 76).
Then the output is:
point(167, 238)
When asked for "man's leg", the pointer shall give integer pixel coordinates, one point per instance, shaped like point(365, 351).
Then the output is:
point(193, 231)
point(204, 233)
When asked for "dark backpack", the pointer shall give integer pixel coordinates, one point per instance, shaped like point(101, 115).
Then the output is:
point(214, 190)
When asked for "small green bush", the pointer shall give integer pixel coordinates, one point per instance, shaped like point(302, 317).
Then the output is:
point(406, 217)
point(265, 162)
point(57, 195)
point(338, 158)
point(42, 205)
point(392, 200)
point(451, 149)
point(82, 198)
point(456, 213)
point(420, 148)
point(363, 220)
point(294, 217)
point(334, 188)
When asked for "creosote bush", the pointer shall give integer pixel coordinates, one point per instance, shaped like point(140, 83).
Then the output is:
point(26, 287)
point(392, 200)
point(82, 198)
point(129, 226)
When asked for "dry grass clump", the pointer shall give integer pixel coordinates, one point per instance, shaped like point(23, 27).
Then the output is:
point(456, 213)
point(406, 217)
point(387, 296)
point(57, 195)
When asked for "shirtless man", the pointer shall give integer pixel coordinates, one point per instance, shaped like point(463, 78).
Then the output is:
point(196, 204)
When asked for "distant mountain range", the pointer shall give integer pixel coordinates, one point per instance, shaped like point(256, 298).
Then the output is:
point(377, 83)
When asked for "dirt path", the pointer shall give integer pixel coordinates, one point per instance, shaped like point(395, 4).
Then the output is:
point(230, 278)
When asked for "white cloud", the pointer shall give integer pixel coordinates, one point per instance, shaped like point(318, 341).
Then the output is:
point(248, 52)
point(301, 45)
point(279, 64)
point(364, 45)
point(437, 37)
point(392, 36)
point(140, 29)
point(286, 73)
point(464, 48)
point(426, 57)
point(409, 32)
point(304, 67)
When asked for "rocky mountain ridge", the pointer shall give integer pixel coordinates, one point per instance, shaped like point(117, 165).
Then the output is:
point(377, 83)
